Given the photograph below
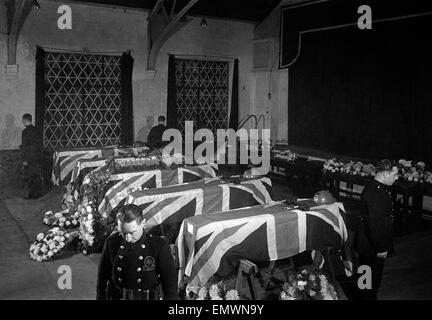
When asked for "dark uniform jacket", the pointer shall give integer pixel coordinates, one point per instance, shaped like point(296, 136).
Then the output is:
point(154, 138)
point(378, 224)
point(137, 266)
point(31, 145)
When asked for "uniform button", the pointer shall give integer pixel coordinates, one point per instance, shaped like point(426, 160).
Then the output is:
point(143, 246)
point(119, 269)
point(139, 269)
point(120, 279)
point(139, 280)
point(122, 247)
point(140, 257)
point(139, 290)
point(120, 257)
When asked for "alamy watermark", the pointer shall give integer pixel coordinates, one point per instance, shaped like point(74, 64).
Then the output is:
point(253, 146)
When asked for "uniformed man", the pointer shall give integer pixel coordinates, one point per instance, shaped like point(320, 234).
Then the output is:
point(378, 224)
point(154, 138)
point(31, 147)
point(133, 262)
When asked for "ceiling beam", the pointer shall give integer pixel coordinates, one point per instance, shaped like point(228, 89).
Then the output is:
point(4, 25)
point(174, 25)
point(17, 17)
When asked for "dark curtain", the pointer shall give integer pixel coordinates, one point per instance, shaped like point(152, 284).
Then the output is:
point(171, 99)
point(364, 93)
point(233, 122)
point(40, 91)
point(127, 136)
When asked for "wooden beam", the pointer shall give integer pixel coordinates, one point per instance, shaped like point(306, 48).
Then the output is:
point(4, 25)
point(172, 8)
point(165, 14)
point(165, 34)
point(155, 9)
point(22, 9)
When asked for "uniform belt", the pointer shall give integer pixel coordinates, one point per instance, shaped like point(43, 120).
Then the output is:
point(115, 292)
point(129, 294)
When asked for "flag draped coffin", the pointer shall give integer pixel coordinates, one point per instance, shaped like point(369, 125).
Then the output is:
point(116, 191)
point(165, 209)
point(64, 163)
point(214, 244)
point(84, 167)
point(126, 151)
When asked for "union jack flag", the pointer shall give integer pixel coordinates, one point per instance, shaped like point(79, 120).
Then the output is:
point(121, 184)
point(84, 167)
point(214, 244)
point(64, 163)
point(165, 209)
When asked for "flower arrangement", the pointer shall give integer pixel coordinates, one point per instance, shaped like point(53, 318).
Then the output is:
point(355, 168)
point(286, 155)
point(48, 245)
point(414, 171)
point(216, 291)
point(78, 219)
point(408, 170)
point(64, 219)
point(308, 284)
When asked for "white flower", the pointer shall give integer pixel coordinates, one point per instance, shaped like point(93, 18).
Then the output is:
point(62, 219)
point(301, 283)
point(50, 254)
point(68, 223)
point(232, 295)
point(44, 249)
point(55, 230)
point(214, 291)
point(202, 294)
point(89, 209)
point(58, 215)
point(61, 224)
point(90, 216)
point(74, 222)
point(40, 236)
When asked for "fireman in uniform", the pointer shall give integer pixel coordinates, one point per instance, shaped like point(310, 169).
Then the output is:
point(377, 224)
point(133, 263)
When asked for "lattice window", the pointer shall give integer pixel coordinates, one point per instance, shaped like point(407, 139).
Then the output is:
point(202, 93)
point(82, 100)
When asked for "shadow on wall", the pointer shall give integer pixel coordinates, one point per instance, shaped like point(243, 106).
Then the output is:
point(10, 135)
point(144, 131)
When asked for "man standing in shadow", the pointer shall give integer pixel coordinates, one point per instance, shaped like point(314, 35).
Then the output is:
point(31, 148)
point(154, 139)
point(377, 243)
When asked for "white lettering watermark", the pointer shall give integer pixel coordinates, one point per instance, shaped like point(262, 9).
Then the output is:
point(365, 280)
point(65, 20)
point(250, 142)
point(64, 282)
point(365, 20)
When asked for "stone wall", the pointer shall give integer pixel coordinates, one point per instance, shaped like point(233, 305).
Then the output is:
point(10, 171)
point(113, 30)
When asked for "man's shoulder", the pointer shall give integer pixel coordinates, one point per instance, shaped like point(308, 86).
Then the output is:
point(157, 241)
